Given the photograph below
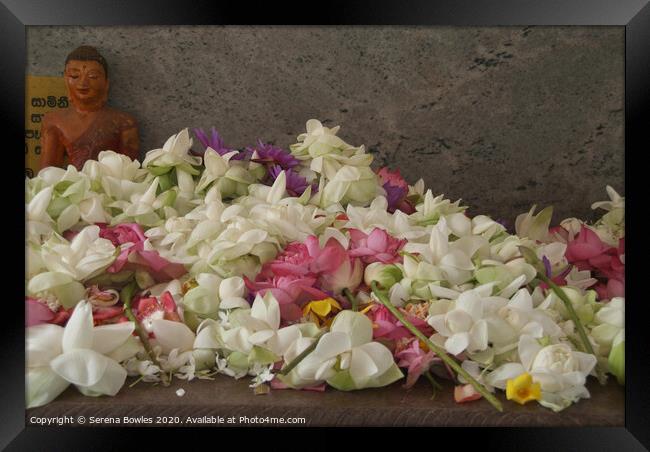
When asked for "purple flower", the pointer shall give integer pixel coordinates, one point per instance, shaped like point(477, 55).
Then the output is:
point(271, 156)
point(296, 184)
point(215, 142)
point(394, 195)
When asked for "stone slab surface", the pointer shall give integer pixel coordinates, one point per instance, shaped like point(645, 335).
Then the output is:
point(389, 406)
point(501, 117)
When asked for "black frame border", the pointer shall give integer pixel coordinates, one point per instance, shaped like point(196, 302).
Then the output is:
point(634, 15)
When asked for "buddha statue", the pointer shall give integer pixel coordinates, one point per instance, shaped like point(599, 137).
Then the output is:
point(88, 126)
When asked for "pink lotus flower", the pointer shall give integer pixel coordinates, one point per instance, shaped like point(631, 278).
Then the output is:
point(386, 325)
point(135, 256)
point(392, 177)
point(294, 260)
point(378, 246)
point(147, 308)
point(37, 313)
point(302, 272)
point(336, 268)
point(290, 291)
point(415, 359)
point(588, 252)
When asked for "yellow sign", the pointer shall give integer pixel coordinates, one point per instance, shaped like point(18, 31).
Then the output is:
point(43, 94)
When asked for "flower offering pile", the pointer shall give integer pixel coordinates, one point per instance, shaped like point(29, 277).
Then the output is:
point(307, 269)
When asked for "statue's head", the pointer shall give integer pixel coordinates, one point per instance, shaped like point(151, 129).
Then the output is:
point(86, 77)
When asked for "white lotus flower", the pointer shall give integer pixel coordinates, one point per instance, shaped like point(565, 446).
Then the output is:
point(175, 152)
point(328, 153)
point(351, 185)
point(430, 211)
point(82, 258)
point(561, 371)
point(260, 326)
point(610, 329)
point(454, 259)
point(463, 327)
point(241, 240)
point(39, 223)
point(534, 227)
point(616, 201)
point(361, 362)
point(213, 293)
point(76, 354)
point(69, 263)
point(516, 318)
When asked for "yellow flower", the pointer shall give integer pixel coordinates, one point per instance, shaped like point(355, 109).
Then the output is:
point(522, 389)
point(317, 311)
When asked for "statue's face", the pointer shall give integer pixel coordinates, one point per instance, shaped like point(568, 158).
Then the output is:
point(86, 82)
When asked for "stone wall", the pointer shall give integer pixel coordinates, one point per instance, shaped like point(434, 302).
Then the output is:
point(501, 117)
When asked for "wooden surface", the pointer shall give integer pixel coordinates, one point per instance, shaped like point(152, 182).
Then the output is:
point(225, 397)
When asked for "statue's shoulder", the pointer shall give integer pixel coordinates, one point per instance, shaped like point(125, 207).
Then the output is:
point(124, 120)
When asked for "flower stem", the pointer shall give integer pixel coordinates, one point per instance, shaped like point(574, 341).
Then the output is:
point(586, 345)
point(289, 367)
point(435, 386)
point(126, 295)
point(353, 300)
point(530, 256)
point(436, 349)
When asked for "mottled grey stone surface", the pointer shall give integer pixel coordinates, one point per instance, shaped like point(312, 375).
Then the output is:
point(501, 117)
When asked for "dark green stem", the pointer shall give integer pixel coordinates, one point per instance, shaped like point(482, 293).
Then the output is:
point(126, 295)
point(289, 367)
point(586, 344)
point(436, 349)
point(530, 256)
point(435, 386)
point(353, 300)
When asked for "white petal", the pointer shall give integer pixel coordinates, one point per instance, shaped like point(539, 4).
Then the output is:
point(284, 338)
point(78, 333)
point(42, 344)
point(533, 329)
point(479, 336)
point(355, 325)
point(458, 321)
point(110, 383)
point(107, 338)
point(128, 349)
point(277, 190)
point(438, 323)
point(170, 335)
point(502, 374)
point(513, 286)
point(528, 349)
point(457, 343)
point(381, 356)
point(471, 303)
point(442, 292)
point(332, 344)
point(233, 302)
point(325, 370)
point(42, 385)
point(38, 205)
point(261, 336)
point(362, 367)
point(232, 287)
point(80, 367)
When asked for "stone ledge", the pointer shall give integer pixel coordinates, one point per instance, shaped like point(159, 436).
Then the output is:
point(390, 406)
